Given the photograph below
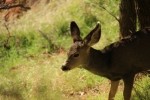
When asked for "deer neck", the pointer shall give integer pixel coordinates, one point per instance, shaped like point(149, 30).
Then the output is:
point(98, 62)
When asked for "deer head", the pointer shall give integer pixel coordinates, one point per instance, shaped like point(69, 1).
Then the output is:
point(78, 54)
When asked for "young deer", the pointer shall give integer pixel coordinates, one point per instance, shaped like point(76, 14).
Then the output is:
point(119, 60)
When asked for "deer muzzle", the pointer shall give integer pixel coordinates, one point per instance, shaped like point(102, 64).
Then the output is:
point(65, 68)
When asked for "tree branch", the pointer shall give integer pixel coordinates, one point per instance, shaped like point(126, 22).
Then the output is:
point(13, 6)
point(107, 11)
point(110, 13)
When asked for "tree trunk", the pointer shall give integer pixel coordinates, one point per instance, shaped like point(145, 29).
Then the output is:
point(127, 18)
point(143, 12)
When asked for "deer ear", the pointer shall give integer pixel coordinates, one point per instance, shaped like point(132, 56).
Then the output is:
point(94, 36)
point(75, 32)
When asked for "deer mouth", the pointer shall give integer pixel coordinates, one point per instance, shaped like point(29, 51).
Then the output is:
point(65, 68)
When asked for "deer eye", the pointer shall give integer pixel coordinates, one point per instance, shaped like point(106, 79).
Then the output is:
point(76, 55)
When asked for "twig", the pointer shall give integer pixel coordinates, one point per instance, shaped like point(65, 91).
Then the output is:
point(6, 42)
point(45, 36)
point(107, 12)
point(51, 44)
point(110, 13)
point(7, 29)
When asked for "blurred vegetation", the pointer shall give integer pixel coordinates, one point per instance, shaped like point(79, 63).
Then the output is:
point(30, 63)
point(141, 89)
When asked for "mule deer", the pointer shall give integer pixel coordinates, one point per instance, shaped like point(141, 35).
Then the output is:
point(119, 60)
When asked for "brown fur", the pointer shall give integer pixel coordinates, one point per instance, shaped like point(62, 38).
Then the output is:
point(120, 60)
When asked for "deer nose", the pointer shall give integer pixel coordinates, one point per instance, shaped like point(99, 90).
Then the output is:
point(65, 68)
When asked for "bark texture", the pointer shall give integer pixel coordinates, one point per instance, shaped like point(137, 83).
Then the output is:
point(133, 14)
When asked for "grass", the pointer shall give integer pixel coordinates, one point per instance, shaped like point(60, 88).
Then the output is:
point(141, 90)
point(30, 65)
point(41, 78)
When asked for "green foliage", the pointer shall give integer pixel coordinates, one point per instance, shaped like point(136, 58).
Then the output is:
point(30, 71)
point(30, 62)
point(141, 90)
